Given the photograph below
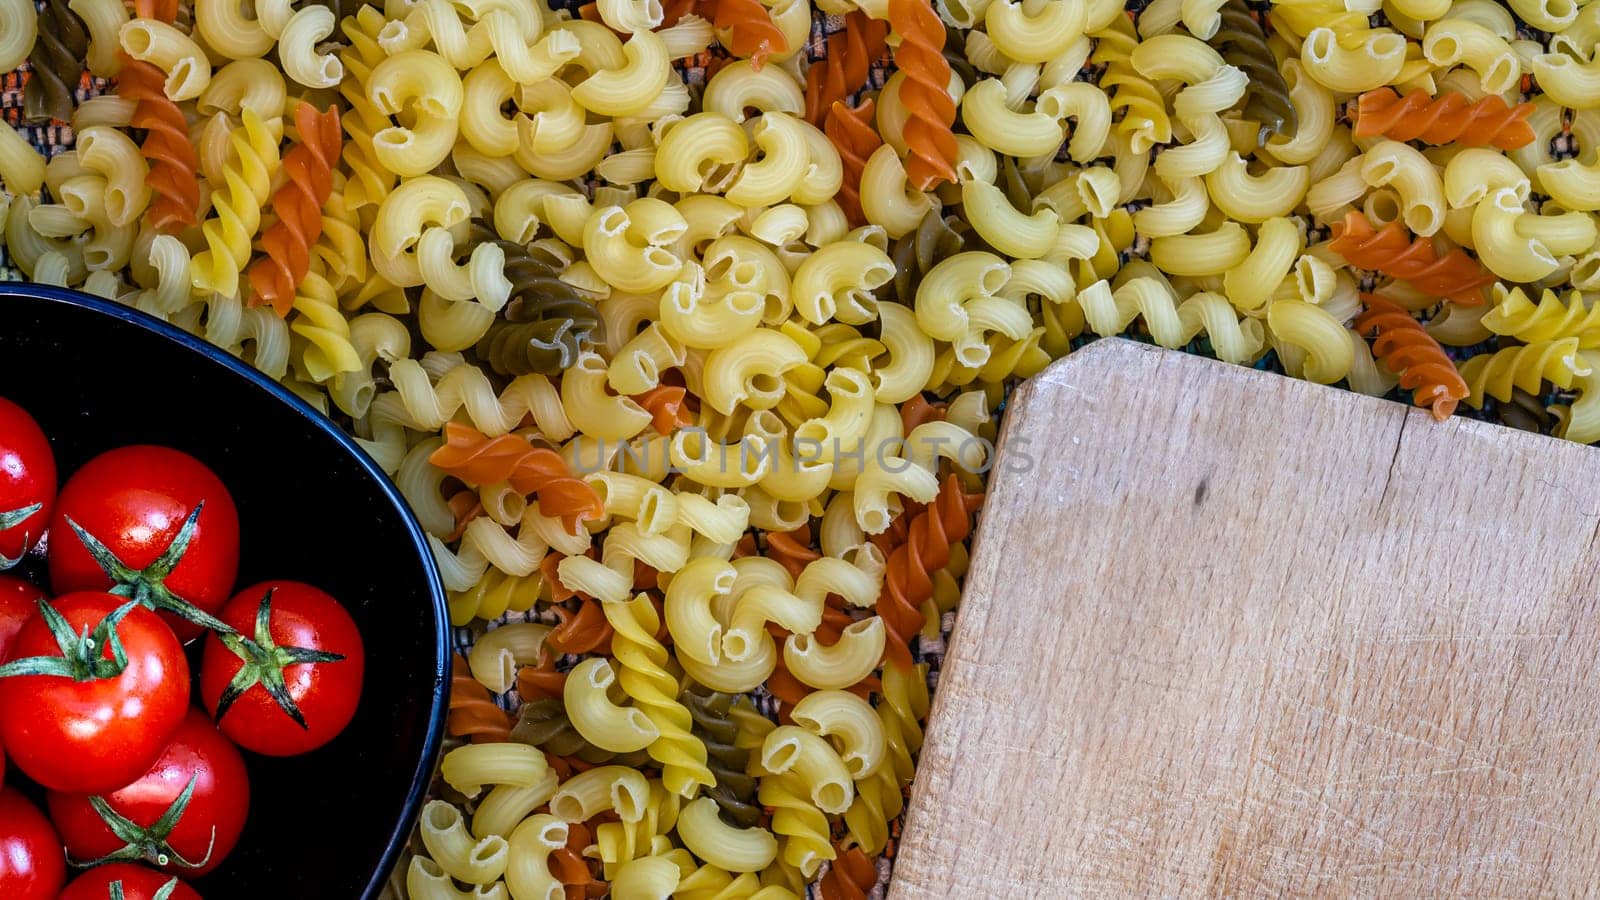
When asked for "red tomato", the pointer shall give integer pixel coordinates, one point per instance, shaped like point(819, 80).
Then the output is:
point(138, 883)
point(31, 864)
point(27, 479)
point(182, 835)
point(135, 502)
point(19, 600)
point(74, 722)
point(311, 647)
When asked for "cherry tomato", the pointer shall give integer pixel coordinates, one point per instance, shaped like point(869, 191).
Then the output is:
point(79, 721)
point(19, 600)
point(31, 864)
point(136, 502)
point(177, 829)
point(27, 479)
point(290, 634)
point(138, 883)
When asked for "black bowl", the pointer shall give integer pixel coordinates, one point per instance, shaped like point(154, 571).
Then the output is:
point(313, 507)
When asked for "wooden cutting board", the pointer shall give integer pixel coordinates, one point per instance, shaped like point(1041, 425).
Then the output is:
point(1237, 634)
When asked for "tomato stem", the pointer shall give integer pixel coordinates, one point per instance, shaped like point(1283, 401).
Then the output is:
point(82, 657)
point(162, 893)
point(149, 844)
point(148, 586)
point(11, 519)
point(15, 517)
point(264, 662)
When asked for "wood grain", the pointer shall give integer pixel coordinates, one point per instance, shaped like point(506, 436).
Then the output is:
point(1238, 634)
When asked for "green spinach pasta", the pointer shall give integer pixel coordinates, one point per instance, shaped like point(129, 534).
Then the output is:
point(546, 322)
point(1243, 44)
point(59, 56)
point(735, 789)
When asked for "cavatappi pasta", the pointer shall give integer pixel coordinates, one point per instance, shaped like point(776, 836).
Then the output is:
point(677, 335)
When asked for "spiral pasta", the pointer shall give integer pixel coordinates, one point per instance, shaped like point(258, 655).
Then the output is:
point(510, 459)
point(1515, 315)
point(472, 713)
point(1498, 373)
point(585, 631)
point(328, 351)
point(1454, 275)
point(298, 206)
point(1144, 120)
point(908, 582)
point(173, 163)
point(248, 175)
point(850, 131)
point(547, 321)
point(930, 111)
point(851, 53)
point(58, 60)
point(1448, 119)
point(1150, 297)
point(1407, 349)
point(735, 789)
point(751, 32)
point(1243, 44)
point(801, 827)
point(654, 690)
point(370, 181)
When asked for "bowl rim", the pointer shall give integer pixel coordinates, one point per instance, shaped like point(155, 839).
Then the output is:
point(422, 777)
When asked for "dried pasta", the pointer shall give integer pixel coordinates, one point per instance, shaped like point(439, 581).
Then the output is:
point(1525, 367)
point(1244, 45)
point(167, 147)
point(908, 583)
point(929, 109)
point(684, 326)
point(473, 714)
point(751, 32)
point(1407, 350)
point(58, 60)
point(1449, 119)
point(298, 206)
point(1454, 275)
point(851, 54)
point(735, 789)
point(547, 321)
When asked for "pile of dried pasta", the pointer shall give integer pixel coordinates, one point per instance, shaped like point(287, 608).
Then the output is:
point(684, 330)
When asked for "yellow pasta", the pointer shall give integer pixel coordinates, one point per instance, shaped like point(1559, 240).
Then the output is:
point(528, 872)
point(455, 851)
point(1461, 40)
point(1360, 61)
point(170, 50)
point(681, 754)
point(426, 87)
point(249, 174)
point(1310, 340)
